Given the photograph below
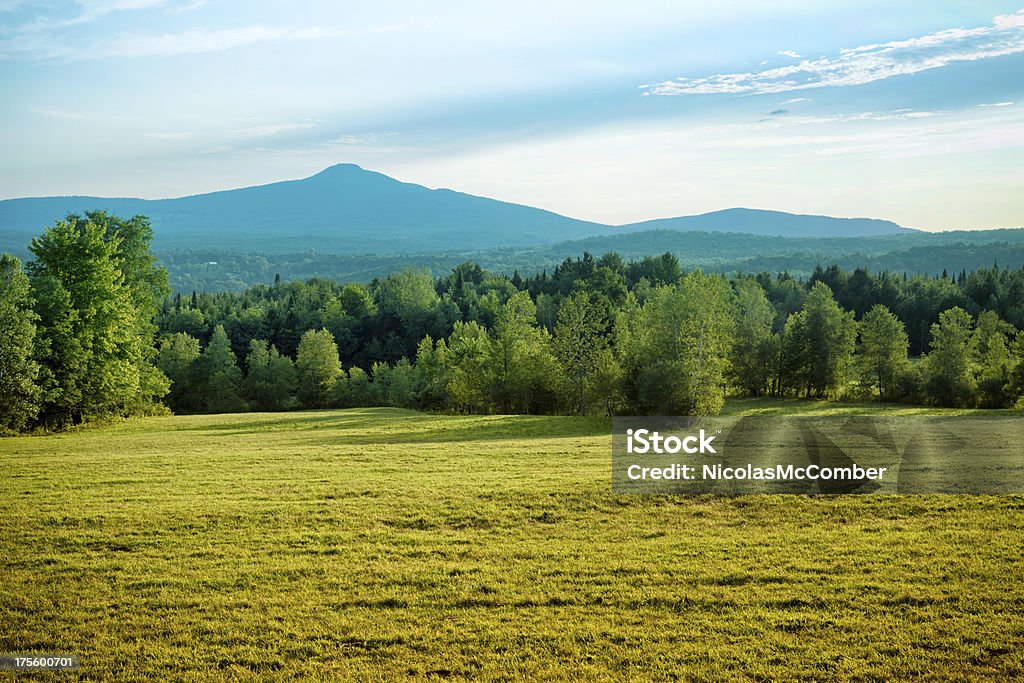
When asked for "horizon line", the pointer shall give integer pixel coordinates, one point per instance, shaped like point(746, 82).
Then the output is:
point(325, 169)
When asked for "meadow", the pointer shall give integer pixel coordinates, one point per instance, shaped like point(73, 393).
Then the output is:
point(381, 544)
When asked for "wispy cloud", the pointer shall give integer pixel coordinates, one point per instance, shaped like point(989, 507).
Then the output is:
point(197, 41)
point(997, 104)
point(365, 139)
point(93, 9)
point(42, 46)
point(794, 100)
point(792, 54)
point(905, 133)
point(89, 11)
point(268, 129)
point(864, 64)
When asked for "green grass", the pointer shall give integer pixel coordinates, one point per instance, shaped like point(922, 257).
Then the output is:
point(378, 544)
point(822, 407)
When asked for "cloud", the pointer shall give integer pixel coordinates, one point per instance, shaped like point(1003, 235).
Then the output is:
point(790, 53)
point(97, 8)
point(365, 139)
point(268, 129)
point(794, 100)
point(38, 41)
point(997, 104)
point(777, 112)
point(196, 41)
point(864, 64)
point(89, 12)
point(905, 133)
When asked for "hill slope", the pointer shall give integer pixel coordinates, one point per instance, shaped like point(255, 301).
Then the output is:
point(348, 210)
point(343, 209)
point(778, 223)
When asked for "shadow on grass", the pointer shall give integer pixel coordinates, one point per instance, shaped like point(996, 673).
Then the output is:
point(368, 426)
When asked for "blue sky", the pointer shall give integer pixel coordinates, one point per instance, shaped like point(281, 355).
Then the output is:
point(609, 111)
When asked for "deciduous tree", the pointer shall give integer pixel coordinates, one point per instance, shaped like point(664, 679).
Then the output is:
point(580, 337)
point(948, 367)
point(318, 368)
point(19, 372)
point(882, 352)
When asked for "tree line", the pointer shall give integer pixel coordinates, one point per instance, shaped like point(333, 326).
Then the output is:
point(91, 330)
point(219, 270)
point(601, 334)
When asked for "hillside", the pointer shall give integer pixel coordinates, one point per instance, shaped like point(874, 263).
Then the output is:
point(777, 223)
point(349, 210)
point(343, 209)
point(910, 252)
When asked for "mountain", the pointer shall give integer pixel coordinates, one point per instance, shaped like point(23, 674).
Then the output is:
point(343, 209)
point(349, 210)
point(776, 223)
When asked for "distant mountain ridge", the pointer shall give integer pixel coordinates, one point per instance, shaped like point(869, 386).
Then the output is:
point(346, 209)
point(775, 223)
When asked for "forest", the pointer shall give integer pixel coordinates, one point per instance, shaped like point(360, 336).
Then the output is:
point(93, 330)
point(719, 252)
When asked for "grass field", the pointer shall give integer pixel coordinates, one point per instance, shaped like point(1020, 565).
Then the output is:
point(379, 544)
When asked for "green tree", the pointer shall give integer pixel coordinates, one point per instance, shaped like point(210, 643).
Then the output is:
point(271, 381)
point(20, 394)
point(380, 381)
point(407, 301)
point(948, 367)
point(357, 302)
point(524, 369)
point(217, 378)
point(433, 372)
point(605, 385)
point(676, 348)
point(755, 349)
point(175, 358)
point(147, 284)
point(318, 368)
point(96, 362)
point(401, 387)
point(1015, 386)
point(993, 359)
point(882, 352)
point(579, 340)
point(354, 390)
point(794, 365)
point(831, 338)
point(472, 373)
point(191, 321)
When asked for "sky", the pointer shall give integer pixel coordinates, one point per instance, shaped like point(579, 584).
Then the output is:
point(607, 111)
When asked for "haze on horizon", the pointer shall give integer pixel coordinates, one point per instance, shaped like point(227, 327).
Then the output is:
point(910, 112)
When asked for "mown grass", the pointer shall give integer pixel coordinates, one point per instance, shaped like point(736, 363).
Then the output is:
point(379, 544)
point(823, 407)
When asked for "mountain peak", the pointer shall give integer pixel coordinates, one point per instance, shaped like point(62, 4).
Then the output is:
point(340, 169)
